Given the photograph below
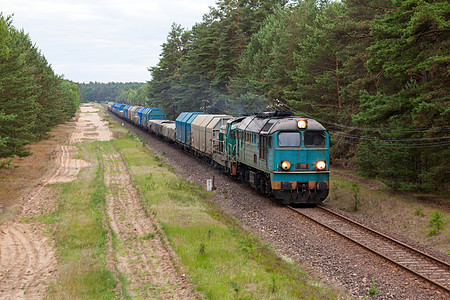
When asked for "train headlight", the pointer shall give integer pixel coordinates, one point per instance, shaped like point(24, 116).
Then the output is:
point(285, 165)
point(320, 165)
point(302, 124)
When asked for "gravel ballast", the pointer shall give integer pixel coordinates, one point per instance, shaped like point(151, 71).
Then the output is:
point(327, 257)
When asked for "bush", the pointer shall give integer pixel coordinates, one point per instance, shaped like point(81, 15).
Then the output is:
point(436, 220)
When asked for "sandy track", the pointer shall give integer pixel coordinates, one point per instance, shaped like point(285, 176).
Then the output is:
point(90, 126)
point(145, 256)
point(68, 167)
point(28, 260)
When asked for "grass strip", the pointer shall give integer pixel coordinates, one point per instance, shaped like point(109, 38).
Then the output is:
point(393, 211)
point(221, 259)
point(81, 238)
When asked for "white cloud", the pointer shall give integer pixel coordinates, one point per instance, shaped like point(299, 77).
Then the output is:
point(102, 40)
point(119, 72)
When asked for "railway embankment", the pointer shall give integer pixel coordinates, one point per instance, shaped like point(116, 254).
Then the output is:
point(336, 261)
point(87, 215)
point(108, 218)
point(422, 220)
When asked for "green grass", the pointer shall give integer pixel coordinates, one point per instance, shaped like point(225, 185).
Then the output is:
point(81, 238)
point(421, 221)
point(220, 258)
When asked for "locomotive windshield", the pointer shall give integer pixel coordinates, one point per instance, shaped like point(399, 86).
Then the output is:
point(289, 139)
point(314, 139)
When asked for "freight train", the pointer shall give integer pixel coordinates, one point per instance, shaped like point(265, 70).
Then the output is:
point(275, 152)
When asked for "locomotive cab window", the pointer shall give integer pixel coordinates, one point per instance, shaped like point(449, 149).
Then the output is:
point(289, 139)
point(315, 139)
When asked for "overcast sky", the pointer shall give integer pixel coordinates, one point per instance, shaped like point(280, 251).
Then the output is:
point(102, 40)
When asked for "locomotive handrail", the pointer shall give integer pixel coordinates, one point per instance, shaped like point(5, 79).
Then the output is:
point(240, 157)
point(301, 172)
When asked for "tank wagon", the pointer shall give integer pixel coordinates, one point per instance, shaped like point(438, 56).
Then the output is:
point(275, 152)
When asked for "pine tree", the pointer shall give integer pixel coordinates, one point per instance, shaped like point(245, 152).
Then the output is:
point(411, 103)
point(166, 74)
point(16, 98)
point(32, 97)
point(5, 40)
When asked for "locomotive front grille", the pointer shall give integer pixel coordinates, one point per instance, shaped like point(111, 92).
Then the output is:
point(302, 166)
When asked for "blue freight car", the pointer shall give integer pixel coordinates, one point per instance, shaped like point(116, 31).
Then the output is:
point(150, 113)
point(183, 125)
point(126, 110)
point(277, 153)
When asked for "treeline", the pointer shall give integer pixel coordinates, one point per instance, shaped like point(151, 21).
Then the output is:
point(32, 97)
point(376, 73)
point(131, 92)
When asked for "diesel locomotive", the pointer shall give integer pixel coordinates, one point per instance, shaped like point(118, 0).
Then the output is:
point(275, 152)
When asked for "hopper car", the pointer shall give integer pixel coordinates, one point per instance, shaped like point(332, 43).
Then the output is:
point(277, 153)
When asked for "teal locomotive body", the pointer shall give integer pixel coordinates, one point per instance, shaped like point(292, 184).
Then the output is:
point(277, 153)
point(282, 155)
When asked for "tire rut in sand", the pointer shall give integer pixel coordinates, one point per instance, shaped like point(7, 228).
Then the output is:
point(68, 167)
point(27, 260)
point(90, 126)
point(142, 254)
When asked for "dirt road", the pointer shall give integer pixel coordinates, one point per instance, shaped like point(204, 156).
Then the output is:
point(28, 260)
point(146, 258)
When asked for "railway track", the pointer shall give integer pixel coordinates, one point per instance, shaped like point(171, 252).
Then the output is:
point(422, 265)
point(430, 269)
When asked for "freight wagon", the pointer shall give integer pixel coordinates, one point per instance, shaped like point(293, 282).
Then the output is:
point(275, 152)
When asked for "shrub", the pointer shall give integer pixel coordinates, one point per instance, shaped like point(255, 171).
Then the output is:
point(436, 220)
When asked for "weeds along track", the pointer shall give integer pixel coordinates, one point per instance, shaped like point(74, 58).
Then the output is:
point(142, 252)
point(433, 270)
point(351, 268)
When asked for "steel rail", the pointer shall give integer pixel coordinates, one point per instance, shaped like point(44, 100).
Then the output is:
point(359, 225)
point(385, 237)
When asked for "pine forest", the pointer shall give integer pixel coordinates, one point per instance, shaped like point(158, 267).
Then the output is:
point(374, 73)
point(33, 98)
